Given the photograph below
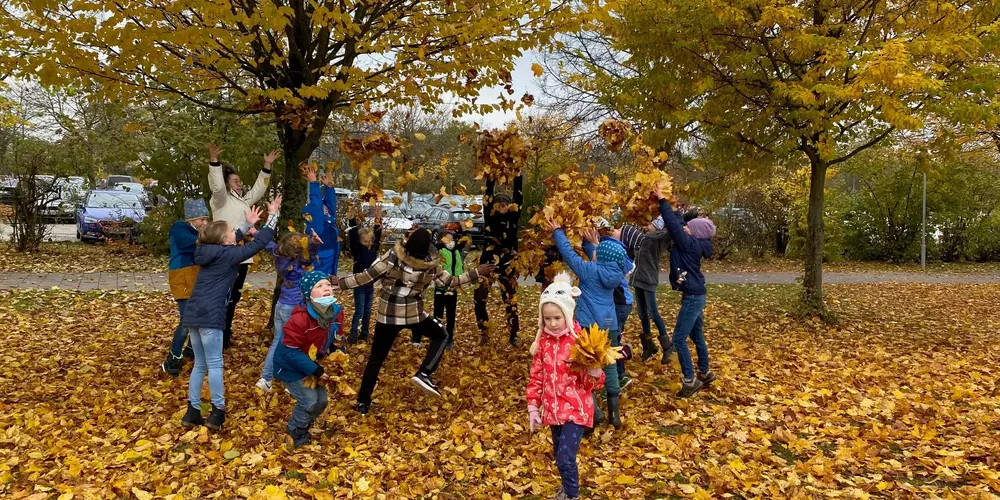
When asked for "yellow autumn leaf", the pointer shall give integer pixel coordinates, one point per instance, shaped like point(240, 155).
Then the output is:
point(142, 495)
point(419, 136)
point(361, 485)
point(537, 69)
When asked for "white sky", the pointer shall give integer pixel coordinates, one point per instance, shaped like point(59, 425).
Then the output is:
point(523, 80)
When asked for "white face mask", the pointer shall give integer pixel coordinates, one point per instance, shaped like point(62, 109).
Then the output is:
point(450, 245)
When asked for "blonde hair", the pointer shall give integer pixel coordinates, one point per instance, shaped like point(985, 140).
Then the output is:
point(366, 232)
point(213, 233)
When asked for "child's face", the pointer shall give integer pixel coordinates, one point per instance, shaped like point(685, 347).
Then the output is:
point(199, 222)
point(366, 239)
point(321, 289)
point(553, 318)
point(616, 233)
point(230, 238)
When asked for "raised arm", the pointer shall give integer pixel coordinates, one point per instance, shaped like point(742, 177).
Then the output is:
point(216, 181)
point(490, 189)
point(370, 275)
point(519, 190)
point(443, 279)
point(354, 241)
point(675, 225)
point(259, 188)
point(569, 256)
point(330, 198)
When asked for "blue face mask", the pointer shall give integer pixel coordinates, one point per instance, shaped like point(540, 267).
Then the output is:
point(324, 302)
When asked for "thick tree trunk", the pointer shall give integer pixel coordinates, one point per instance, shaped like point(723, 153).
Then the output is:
point(813, 281)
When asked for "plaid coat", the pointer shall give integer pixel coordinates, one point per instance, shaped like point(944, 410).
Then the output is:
point(402, 281)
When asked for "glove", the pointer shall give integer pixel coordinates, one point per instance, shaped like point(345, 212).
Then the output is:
point(595, 372)
point(534, 419)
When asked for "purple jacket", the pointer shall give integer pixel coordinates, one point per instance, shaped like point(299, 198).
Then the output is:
point(290, 271)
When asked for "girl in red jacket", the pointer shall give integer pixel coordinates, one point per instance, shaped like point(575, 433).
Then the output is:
point(559, 394)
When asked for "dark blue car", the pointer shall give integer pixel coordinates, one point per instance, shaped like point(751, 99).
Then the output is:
point(109, 214)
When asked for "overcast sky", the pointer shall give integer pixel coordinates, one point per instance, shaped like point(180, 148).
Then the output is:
point(523, 80)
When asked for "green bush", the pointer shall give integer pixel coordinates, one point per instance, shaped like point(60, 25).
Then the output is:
point(155, 230)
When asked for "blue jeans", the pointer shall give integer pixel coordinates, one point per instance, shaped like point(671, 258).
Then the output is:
point(207, 345)
point(689, 323)
point(309, 404)
point(622, 311)
point(565, 444)
point(645, 302)
point(611, 371)
point(363, 298)
point(282, 312)
point(180, 333)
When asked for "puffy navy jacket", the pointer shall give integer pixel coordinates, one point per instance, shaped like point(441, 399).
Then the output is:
point(685, 253)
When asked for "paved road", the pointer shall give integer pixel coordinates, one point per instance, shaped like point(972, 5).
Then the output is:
point(59, 232)
point(158, 281)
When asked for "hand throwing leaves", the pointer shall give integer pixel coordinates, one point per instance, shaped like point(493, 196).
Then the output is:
point(270, 157)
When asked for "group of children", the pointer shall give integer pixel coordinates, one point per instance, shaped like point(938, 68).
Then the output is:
point(205, 265)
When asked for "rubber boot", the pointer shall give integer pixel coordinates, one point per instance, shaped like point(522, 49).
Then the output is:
point(668, 349)
point(614, 415)
point(598, 414)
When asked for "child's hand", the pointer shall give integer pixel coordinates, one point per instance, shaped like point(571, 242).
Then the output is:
point(316, 239)
point(595, 372)
point(552, 225)
point(534, 419)
point(275, 205)
point(334, 280)
point(590, 234)
point(270, 157)
point(485, 269)
point(308, 171)
point(213, 153)
point(253, 215)
point(658, 193)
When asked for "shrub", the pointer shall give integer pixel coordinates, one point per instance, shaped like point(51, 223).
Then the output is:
point(155, 230)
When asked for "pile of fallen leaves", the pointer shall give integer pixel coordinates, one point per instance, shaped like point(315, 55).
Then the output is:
point(500, 154)
point(76, 257)
point(593, 349)
point(577, 200)
point(897, 401)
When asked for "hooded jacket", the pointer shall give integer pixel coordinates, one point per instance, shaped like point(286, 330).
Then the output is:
point(685, 254)
point(219, 266)
point(402, 281)
point(598, 281)
point(560, 391)
point(320, 214)
point(300, 333)
point(182, 273)
point(646, 251)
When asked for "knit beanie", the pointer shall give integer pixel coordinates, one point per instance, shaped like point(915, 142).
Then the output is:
point(631, 236)
point(195, 209)
point(702, 228)
point(307, 282)
point(418, 245)
point(613, 251)
point(658, 223)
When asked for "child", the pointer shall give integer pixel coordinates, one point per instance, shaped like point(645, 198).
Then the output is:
point(690, 246)
point(292, 261)
point(502, 216)
point(321, 218)
point(404, 274)
point(364, 244)
point(646, 250)
point(182, 273)
point(205, 313)
point(559, 394)
point(598, 280)
point(314, 324)
point(446, 299)
point(623, 297)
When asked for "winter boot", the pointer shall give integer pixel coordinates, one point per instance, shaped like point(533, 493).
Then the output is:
point(614, 415)
point(171, 366)
point(216, 419)
point(598, 414)
point(668, 349)
point(297, 437)
point(649, 349)
point(193, 417)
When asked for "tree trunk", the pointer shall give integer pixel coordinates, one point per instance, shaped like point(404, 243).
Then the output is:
point(813, 283)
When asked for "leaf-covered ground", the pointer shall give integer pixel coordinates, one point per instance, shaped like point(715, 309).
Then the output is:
point(899, 401)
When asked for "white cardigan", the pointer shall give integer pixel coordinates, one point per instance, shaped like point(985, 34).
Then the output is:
point(229, 207)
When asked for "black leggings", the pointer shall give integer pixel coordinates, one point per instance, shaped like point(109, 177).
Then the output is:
point(234, 298)
point(445, 304)
point(508, 292)
point(385, 335)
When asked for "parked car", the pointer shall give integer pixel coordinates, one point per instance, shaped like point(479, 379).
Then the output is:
point(463, 201)
point(114, 180)
point(436, 219)
point(107, 214)
point(415, 209)
point(63, 197)
point(395, 224)
point(136, 189)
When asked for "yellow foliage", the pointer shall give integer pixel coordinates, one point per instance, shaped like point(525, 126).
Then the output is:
point(593, 349)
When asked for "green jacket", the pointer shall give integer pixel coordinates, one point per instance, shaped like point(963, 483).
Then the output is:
point(451, 261)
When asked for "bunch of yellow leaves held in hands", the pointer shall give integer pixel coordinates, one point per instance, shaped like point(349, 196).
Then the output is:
point(337, 358)
point(500, 154)
point(593, 349)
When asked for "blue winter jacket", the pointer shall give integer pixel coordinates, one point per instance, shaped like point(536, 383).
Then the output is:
point(598, 281)
point(685, 253)
point(320, 214)
point(183, 241)
point(219, 266)
point(623, 295)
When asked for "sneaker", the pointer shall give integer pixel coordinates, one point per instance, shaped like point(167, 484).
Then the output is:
point(624, 382)
point(171, 366)
point(690, 388)
point(513, 341)
point(706, 378)
point(188, 352)
point(424, 382)
point(416, 345)
point(193, 417)
point(363, 408)
point(264, 385)
point(649, 349)
point(216, 419)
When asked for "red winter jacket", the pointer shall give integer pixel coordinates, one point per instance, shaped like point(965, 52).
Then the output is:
point(561, 392)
